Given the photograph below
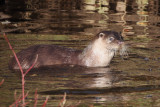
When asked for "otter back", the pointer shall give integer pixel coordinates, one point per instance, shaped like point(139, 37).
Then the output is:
point(47, 55)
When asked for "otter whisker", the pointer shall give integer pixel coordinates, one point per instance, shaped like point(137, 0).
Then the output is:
point(123, 51)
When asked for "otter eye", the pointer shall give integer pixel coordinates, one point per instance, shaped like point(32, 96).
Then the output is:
point(111, 38)
point(101, 34)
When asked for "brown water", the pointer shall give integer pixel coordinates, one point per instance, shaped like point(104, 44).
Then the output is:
point(132, 81)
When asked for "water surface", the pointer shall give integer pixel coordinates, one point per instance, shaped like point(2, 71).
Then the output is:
point(131, 81)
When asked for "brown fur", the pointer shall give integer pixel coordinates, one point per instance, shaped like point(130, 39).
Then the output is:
point(98, 53)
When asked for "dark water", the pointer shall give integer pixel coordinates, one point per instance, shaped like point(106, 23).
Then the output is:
point(133, 81)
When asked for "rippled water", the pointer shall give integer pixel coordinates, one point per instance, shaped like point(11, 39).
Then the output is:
point(131, 81)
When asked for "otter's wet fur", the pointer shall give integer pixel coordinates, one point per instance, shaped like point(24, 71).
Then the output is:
point(98, 53)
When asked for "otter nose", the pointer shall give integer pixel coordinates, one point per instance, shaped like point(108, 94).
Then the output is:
point(120, 42)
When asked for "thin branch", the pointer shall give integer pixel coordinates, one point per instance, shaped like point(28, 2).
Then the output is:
point(44, 104)
point(23, 96)
point(63, 101)
point(20, 67)
point(24, 104)
point(15, 94)
point(19, 99)
point(35, 98)
point(1, 82)
point(32, 65)
point(15, 97)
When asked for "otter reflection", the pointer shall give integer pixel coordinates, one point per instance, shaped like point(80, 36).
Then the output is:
point(75, 77)
point(102, 77)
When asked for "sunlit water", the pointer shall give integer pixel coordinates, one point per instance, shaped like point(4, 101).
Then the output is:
point(131, 81)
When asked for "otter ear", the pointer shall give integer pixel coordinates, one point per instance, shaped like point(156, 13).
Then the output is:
point(101, 34)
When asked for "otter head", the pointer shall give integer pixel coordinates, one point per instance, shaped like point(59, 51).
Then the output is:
point(112, 41)
point(102, 49)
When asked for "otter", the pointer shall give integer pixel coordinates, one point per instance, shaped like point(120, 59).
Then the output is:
point(98, 53)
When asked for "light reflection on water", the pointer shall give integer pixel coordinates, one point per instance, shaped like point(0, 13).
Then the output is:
point(73, 23)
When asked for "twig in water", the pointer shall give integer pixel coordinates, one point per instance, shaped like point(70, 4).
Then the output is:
point(20, 67)
point(44, 104)
point(32, 65)
point(35, 98)
point(63, 101)
point(19, 99)
point(15, 97)
point(22, 98)
point(1, 82)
